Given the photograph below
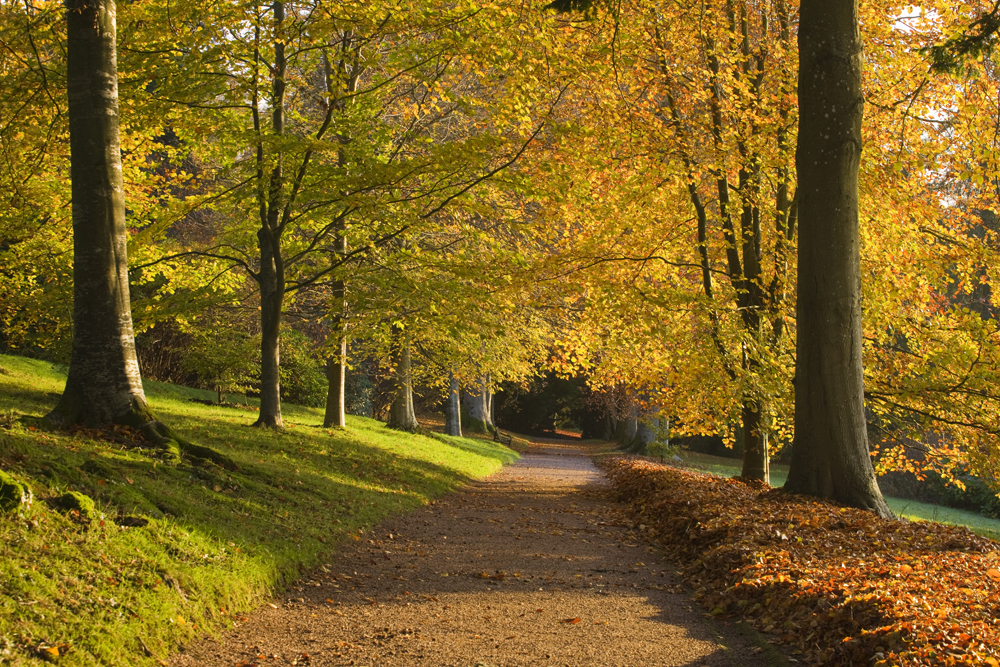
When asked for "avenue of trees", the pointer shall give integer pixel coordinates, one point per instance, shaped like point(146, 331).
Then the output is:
point(761, 219)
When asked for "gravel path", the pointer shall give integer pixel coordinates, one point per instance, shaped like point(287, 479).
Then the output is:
point(528, 567)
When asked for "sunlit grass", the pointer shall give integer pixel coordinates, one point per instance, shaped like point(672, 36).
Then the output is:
point(217, 541)
point(913, 510)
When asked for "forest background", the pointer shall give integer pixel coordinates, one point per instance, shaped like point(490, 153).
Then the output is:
point(468, 195)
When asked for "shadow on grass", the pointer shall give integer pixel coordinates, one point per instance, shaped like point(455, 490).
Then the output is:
point(217, 541)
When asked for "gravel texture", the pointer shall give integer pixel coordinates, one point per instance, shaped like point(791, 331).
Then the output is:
point(532, 566)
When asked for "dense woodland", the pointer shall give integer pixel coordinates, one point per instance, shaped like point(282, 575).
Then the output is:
point(335, 203)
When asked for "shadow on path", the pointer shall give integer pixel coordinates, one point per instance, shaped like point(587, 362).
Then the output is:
point(531, 566)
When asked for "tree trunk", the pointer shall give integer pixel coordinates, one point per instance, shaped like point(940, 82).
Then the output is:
point(489, 403)
point(401, 414)
point(453, 409)
point(104, 384)
point(830, 451)
point(653, 429)
point(628, 427)
point(477, 417)
point(337, 371)
point(271, 298)
point(756, 458)
point(337, 376)
point(271, 277)
point(338, 82)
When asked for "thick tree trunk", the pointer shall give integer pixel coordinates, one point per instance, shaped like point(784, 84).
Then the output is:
point(756, 458)
point(477, 418)
point(830, 452)
point(401, 414)
point(628, 427)
point(104, 384)
point(453, 408)
point(337, 376)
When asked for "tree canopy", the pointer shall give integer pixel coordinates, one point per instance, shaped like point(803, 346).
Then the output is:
point(601, 189)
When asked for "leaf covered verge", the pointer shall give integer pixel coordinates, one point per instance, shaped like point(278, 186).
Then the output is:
point(838, 586)
point(169, 552)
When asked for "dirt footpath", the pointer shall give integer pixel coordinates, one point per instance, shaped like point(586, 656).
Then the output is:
point(527, 567)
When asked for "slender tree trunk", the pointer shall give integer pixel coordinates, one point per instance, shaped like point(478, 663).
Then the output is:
point(401, 414)
point(830, 451)
point(337, 365)
point(104, 384)
point(453, 408)
point(340, 80)
point(489, 401)
point(272, 270)
point(337, 376)
point(271, 299)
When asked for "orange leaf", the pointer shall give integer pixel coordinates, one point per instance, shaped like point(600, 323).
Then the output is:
point(571, 620)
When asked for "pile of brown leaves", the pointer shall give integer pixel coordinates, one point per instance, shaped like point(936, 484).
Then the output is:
point(839, 585)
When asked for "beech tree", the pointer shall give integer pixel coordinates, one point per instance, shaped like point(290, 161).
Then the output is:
point(104, 385)
point(453, 407)
point(830, 456)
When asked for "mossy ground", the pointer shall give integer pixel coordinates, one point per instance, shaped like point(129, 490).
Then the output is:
point(217, 542)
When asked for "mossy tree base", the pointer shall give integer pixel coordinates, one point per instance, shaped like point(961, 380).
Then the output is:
point(70, 412)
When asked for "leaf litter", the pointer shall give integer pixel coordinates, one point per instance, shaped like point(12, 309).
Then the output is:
point(837, 585)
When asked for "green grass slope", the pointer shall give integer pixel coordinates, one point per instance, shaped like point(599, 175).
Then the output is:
point(217, 541)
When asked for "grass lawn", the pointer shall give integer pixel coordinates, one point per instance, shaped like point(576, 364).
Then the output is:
point(913, 510)
point(217, 542)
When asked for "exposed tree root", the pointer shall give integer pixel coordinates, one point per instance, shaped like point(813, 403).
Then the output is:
point(69, 412)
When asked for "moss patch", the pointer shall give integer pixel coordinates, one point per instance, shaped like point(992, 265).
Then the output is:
point(13, 494)
point(77, 504)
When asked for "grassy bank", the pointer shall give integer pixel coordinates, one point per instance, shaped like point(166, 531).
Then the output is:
point(175, 551)
point(913, 510)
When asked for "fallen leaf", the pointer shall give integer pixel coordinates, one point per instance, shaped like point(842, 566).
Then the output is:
point(50, 653)
point(571, 620)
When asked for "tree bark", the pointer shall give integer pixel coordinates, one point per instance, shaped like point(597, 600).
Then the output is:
point(339, 81)
point(756, 458)
point(272, 294)
point(337, 377)
point(453, 408)
point(104, 384)
point(830, 451)
point(337, 371)
point(271, 277)
point(477, 407)
point(628, 427)
point(401, 414)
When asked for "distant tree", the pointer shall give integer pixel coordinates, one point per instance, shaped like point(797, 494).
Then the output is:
point(224, 358)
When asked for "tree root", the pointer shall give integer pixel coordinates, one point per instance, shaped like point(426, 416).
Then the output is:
point(141, 418)
point(163, 437)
